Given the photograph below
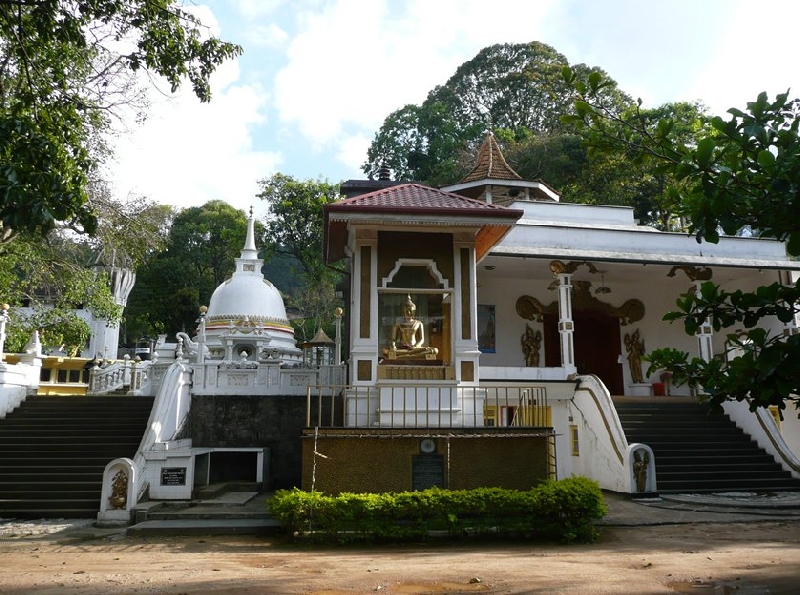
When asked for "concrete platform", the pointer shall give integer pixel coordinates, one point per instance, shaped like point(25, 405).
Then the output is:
point(724, 507)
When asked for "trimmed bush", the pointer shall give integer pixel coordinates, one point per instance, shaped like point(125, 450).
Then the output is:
point(564, 510)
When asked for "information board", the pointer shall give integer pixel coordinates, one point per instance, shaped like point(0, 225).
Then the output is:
point(427, 471)
point(173, 476)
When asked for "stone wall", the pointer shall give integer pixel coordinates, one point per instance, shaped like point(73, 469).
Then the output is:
point(401, 460)
point(274, 422)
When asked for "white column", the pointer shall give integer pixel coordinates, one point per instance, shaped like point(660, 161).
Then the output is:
point(201, 336)
point(566, 326)
point(338, 352)
point(705, 337)
point(4, 318)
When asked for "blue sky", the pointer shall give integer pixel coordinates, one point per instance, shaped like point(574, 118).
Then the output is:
point(318, 77)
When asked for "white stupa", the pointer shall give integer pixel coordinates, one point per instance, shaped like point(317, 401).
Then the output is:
point(246, 318)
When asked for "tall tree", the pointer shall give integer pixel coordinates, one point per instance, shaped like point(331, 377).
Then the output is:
point(64, 270)
point(743, 172)
point(515, 87)
point(64, 67)
point(584, 175)
point(201, 249)
point(294, 231)
point(53, 276)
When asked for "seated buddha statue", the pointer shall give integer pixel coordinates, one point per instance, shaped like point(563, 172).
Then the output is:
point(408, 336)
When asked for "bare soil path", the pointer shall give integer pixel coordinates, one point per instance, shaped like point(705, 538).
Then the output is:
point(752, 558)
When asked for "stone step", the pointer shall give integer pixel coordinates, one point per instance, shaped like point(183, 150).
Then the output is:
point(221, 526)
point(53, 451)
point(695, 450)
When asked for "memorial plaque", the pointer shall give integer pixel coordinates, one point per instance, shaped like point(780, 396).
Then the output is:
point(173, 476)
point(427, 471)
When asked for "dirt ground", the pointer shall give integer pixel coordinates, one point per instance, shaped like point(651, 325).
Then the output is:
point(726, 558)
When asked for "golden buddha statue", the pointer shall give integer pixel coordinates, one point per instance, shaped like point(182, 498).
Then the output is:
point(408, 336)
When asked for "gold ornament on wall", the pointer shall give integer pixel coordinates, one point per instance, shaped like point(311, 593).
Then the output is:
point(632, 310)
point(531, 346)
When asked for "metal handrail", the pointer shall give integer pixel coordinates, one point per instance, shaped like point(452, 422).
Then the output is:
point(425, 405)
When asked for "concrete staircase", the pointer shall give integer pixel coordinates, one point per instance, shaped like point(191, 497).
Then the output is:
point(53, 451)
point(220, 509)
point(699, 451)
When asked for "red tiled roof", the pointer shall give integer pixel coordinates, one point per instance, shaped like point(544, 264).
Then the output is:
point(418, 199)
point(490, 163)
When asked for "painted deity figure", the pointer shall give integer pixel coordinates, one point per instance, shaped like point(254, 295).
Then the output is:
point(634, 345)
point(531, 342)
point(408, 335)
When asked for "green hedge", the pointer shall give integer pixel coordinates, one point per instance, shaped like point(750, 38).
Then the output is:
point(562, 510)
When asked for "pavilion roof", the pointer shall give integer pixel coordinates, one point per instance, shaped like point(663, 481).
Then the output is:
point(413, 205)
point(490, 163)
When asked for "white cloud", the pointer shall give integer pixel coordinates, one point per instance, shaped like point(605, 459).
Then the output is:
point(269, 36)
point(748, 59)
point(352, 151)
point(251, 9)
point(188, 153)
point(352, 62)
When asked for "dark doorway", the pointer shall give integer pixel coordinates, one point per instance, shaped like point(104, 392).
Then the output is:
point(597, 346)
point(233, 466)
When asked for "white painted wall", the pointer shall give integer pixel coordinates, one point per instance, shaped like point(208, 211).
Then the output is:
point(761, 427)
point(657, 291)
point(790, 428)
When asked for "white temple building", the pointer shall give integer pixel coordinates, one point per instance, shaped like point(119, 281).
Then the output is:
point(535, 315)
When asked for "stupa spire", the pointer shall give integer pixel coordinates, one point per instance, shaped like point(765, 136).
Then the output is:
point(249, 252)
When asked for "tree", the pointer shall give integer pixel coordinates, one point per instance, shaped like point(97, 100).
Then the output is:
point(294, 230)
point(53, 277)
point(512, 87)
point(64, 68)
point(742, 172)
point(518, 91)
point(63, 271)
point(201, 248)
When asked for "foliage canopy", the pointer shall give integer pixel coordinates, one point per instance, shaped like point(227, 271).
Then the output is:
point(739, 173)
point(294, 232)
point(66, 66)
point(514, 89)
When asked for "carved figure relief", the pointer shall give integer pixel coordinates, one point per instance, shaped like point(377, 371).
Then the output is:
point(560, 267)
point(634, 345)
point(694, 273)
point(641, 461)
point(632, 310)
point(531, 343)
point(119, 490)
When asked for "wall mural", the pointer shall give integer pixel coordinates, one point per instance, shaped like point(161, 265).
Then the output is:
point(486, 328)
